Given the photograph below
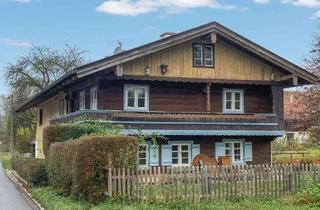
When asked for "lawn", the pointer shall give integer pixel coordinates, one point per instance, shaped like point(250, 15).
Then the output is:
point(52, 201)
point(314, 156)
point(5, 158)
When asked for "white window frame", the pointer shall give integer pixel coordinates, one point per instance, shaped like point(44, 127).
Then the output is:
point(233, 110)
point(232, 142)
point(204, 56)
point(93, 98)
point(82, 100)
point(180, 156)
point(193, 57)
point(136, 108)
point(147, 155)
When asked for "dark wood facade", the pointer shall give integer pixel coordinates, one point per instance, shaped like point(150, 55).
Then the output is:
point(180, 97)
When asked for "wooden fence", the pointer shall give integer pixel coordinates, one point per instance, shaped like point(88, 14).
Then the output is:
point(192, 184)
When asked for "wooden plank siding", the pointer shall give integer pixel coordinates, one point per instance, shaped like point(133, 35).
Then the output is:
point(261, 146)
point(231, 63)
point(186, 97)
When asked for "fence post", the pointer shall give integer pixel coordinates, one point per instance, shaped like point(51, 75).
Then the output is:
point(110, 182)
point(290, 178)
point(109, 175)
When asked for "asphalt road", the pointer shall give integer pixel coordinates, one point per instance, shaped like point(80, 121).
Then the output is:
point(10, 197)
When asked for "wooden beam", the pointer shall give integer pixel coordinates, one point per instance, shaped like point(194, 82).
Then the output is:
point(208, 91)
point(213, 37)
point(292, 77)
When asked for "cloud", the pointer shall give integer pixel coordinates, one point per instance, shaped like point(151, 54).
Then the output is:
point(303, 3)
point(262, 1)
point(15, 42)
point(23, 1)
point(137, 7)
point(316, 15)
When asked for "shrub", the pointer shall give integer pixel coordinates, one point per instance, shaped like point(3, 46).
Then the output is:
point(64, 132)
point(23, 140)
point(83, 172)
point(32, 170)
point(309, 195)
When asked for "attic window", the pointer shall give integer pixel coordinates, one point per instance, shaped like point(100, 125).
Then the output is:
point(202, 55)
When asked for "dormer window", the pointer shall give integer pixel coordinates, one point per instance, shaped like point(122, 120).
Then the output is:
point(202, 55)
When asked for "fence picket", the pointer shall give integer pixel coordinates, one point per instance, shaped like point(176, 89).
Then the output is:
point(192, 184)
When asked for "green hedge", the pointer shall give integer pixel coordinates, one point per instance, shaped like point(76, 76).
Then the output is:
point(65, 132)
point(59, 167)
point(32, 170)
point(79, 167)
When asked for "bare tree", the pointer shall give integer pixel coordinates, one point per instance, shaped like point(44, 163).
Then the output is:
point(41, 66)
point(30, 74)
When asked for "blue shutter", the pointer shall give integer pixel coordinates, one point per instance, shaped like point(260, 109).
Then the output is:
point(248, 151)
point(220, 149)
point(195, 150)
point(154, 155)
point(166, 155)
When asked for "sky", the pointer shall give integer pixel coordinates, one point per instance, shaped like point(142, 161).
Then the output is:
point(285, 27)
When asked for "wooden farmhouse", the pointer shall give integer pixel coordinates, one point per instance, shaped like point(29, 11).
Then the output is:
point(207, 90)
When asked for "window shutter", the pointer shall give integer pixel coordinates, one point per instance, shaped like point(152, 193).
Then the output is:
point(195, 151)
point(166, 155)
point(154, 155)
point(220, 149)
point(248, 151)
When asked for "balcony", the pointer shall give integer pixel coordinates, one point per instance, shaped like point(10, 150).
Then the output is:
point(182, 123)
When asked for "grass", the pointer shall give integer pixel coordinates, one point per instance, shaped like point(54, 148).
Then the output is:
point(5, 158)
point(52, 201)
point(314, 156)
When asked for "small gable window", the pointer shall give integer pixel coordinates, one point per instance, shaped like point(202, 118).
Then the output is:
point(202, 55)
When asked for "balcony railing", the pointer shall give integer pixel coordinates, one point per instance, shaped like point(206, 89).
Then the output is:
point(176, 121)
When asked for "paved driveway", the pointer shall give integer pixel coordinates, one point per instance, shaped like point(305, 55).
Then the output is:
point(10, 197)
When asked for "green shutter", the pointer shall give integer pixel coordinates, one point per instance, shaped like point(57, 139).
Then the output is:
point(195, 151)
point(248, 151)
point(166, 155)
point(220, 149)
point(154, 155)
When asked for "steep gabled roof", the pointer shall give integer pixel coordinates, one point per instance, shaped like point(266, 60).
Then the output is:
point(178, 38)
point(163, 43)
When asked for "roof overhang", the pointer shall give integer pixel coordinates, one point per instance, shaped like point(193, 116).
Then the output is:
point(205, 132)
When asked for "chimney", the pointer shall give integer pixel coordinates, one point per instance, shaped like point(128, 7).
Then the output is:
point(166, 34)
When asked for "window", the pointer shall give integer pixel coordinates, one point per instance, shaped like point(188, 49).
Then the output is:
point(82, 100)
point(93, 98)
point(202, 55)
point(61, 107)
point(180, 154)
point(233, 101)
point(235, 151)
point(143, 155)
point(40, 117)
point(136, 98)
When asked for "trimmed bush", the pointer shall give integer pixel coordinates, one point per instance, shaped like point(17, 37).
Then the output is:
point(65, 132)
point(83, 172)
point(59, 167)
point(32, 170)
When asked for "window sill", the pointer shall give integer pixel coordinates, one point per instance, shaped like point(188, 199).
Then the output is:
point(233, 112)
point(135, 110)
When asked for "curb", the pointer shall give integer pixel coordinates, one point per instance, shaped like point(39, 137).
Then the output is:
point(20, 185)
